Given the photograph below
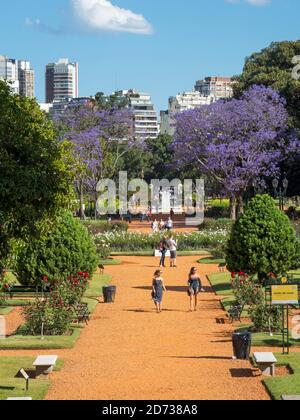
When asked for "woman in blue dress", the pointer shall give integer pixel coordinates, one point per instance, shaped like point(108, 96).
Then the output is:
point(158, 289)
point(194, 288)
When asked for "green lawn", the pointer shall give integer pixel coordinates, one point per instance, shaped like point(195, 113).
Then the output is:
point(212, 260)
point(285, 385)
point(265, 340)
point(110, 261)
point(12, 387)
point(59, 342)
point(5, 310)
point(221, 282)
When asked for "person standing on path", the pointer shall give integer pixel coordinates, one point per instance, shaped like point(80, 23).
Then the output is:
point(158, 289)
point(172, 245)
point(194, 288)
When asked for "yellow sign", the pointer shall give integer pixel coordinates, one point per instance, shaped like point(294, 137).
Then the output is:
point(285, 295)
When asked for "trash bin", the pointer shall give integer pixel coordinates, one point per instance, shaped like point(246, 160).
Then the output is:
point(242, 345)
point(109, 294)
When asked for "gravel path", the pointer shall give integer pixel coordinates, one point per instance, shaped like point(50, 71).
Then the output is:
point(130, 352)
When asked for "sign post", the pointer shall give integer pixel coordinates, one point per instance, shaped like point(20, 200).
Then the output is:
point(285, 295)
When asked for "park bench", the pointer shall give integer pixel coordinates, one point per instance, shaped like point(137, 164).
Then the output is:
point(235, 312)
point(44, 365)
point(28, 291)
point(19, 399)
point(82, 312)
point(266, 363)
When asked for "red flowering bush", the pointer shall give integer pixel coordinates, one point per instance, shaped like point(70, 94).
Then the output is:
point(53, 313)
point(246, 290)
point(73, 288)
point(56, 312)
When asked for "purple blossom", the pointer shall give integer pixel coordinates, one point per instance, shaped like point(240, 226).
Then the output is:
point(238, 142)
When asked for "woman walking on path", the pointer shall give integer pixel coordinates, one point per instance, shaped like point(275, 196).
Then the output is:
point(194, 288)
point(172, 245)
point(163, 247)
point(158, 289)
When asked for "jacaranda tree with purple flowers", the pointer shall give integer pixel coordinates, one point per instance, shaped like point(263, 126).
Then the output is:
point(98, 139)
point(239, 142)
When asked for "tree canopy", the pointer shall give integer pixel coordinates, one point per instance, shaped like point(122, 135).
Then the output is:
point(262, 241)
point(35, 178)
point(239, 142)
point(273, 67)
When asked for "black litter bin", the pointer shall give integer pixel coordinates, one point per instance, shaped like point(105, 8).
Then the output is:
point(242, 345)
point(109, 294)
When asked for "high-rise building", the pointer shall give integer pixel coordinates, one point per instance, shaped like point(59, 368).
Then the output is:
point(9, 72)
point(18, 74)
point(26, 79)
point(145, 116)
point(219, 87)
point(61, 81)
point(180, 103)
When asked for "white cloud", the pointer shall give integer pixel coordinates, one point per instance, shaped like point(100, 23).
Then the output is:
point(252, 2)
point(102, 15)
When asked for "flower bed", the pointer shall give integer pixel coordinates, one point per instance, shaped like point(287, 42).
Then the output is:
point(135, 241)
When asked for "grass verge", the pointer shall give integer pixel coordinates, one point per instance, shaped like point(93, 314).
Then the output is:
point(211, 261)
point(285, 385)
point(12, 387)
point(110, 261)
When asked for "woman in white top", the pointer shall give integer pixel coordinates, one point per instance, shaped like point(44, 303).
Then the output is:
point(173, 244)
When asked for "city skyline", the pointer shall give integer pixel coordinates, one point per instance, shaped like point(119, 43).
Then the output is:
point(161, 51)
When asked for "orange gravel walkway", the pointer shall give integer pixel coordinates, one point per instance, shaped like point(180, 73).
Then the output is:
point(130, 352)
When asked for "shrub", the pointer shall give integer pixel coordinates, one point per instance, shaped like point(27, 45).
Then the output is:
point(55, 315)
point(246, 290)
point(64, 251)
point(266, 317)
point(103, 247)
point(72, 289)
point(262, 240)
point(217, 224)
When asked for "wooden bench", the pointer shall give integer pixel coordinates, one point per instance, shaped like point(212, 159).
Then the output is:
point(26, 291)
point(265, 362)
point(44, 365)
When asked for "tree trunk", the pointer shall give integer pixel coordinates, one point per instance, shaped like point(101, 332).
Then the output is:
point(81, 211)
point(232, 208)
point(240, 205)
point(95, 210)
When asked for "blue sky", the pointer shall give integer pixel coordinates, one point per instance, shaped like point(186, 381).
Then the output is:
point(161, 47)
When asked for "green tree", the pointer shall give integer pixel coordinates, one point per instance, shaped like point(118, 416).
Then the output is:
point(65, 250)
point(273, 67)
point(112, 101)
point(35, 178)
point(262, 240)
point(160, 162)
